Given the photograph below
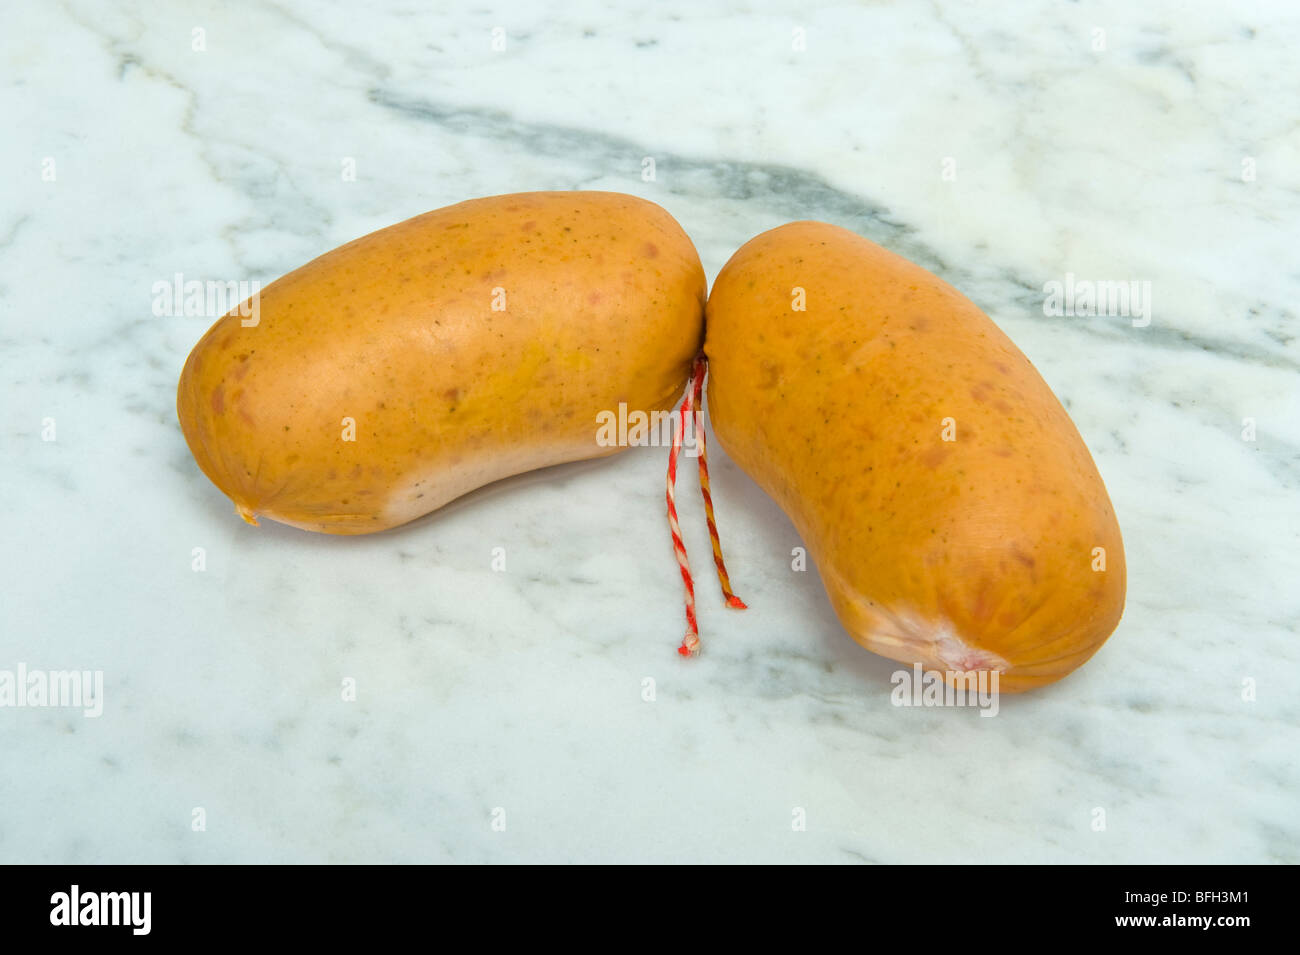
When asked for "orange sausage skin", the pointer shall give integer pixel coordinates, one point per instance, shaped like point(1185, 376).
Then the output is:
point(408, 367)
point(952, 508)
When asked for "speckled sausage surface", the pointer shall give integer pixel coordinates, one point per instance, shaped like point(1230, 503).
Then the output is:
point(404, 369)
point(952, 508)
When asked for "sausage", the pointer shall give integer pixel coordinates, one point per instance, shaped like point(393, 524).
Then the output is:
point(952, 509)
point(385, 378)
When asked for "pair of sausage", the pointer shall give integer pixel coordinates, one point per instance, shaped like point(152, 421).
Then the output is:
point(950, 504)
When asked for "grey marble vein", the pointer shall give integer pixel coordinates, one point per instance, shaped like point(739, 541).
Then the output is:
point(504, 716)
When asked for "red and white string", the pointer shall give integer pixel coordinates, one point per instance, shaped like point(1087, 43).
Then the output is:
point(693, 405)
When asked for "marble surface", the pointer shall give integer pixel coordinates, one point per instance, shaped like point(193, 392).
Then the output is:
point(1163, 149)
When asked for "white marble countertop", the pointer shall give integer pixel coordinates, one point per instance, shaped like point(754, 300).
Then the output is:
point(1163, 149)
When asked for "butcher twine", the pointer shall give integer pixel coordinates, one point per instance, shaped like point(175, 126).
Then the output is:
point(693, 404)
